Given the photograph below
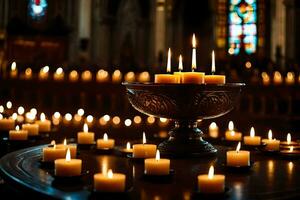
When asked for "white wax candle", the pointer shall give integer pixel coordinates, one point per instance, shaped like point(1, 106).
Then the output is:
point(105, 143)
point(7, 124)
point(33, 129)
point(68, 167)
point(238, 158)
point(144, 150)
point(211, 183)
point(18, 134)
point(44, 124)
point(85, 137)
point(157, 166)
point(252, 139)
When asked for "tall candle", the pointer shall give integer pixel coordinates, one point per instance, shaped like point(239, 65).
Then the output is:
point(271, 144)
point(52, 153)
point(144, 150)
point(214, 79)
point(211, 183)
point(167, 78)
point(105, 143)
point(18, 134)
point(252, 139)
point(44, 124)
point(157, 166)
point(6, 124)
point(232, 135)
point(213, 130)
point(238, 158)
point(68, 167)
point(85, 137)
point(109, 182)
point(33, 129)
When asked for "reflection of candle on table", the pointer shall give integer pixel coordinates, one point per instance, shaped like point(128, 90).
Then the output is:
point(33, 129)
point(211, 183)
point(44, 124)
point(72, 147)
point(288, 141)
point(110, 182)
point(59, 74)
point(238, 158)
point(157, 166)
point(85, 137)
point(193, 77)
point(144, 150)
point(105, 143)
point(232, 135)
point(18, 134)
point(252, 139)
point(13, 70)
point(52, 153)
point(68, 167)
point(167, 78)
point(271, 144)
point(214, 79)
point(6, 124)
point(213, 130)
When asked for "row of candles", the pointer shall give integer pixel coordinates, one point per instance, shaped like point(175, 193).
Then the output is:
point(86, 76)
point(278, 79)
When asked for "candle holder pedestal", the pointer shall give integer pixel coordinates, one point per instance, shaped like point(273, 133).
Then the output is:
point(185, 104)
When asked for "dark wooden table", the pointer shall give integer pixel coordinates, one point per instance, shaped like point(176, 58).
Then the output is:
point(271, 177)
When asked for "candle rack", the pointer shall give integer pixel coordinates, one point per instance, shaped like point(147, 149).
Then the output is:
point(185, 104)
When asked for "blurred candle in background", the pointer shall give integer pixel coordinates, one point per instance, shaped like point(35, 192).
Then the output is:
point(28, 73)
point(59, 74)
point(116, 76)
point(290, 78)
point(129, 77)
point(13, 70)
point(44, 73)
point(86, 76)
point(277, 78)
point(73, 76)
point(102, 76)
point(213, 130)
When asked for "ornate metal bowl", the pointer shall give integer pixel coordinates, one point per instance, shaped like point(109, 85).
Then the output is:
point(185, 104)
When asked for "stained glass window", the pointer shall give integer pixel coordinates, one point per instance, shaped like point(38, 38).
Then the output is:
point(37, 9)
point(242, 20)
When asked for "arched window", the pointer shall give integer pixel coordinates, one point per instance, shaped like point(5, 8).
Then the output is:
point(37, 9)
point(242, 22)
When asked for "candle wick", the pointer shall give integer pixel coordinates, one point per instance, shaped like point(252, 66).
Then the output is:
point(212, 73)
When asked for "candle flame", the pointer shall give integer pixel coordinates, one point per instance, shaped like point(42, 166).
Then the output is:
point(289, 138)
point(157, 155)
point(17, 128)
point(144, 138)
point(105, 137)
point(169, 61)
point(53, 142)
point(68, 155)
point(65, 142)
point(213, 65)
point(230, 126)
point(110, 173)
point(1, 116)
point(59, 70)
point(213, 125)
point(270, 134)
point(13, 66)
point(85, 128)
point(291, 149)
point(238, 147)
point(42, 117)
point(14, 116)
point(180, 65)
point(128, 146)
point(46, 69)
point(211, 172)
point(194, 41)
point(252, 132)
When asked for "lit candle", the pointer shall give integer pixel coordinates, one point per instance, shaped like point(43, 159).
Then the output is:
point(180, 68)
point(6, 124)
point(157, 166)
point(271, 144)
point(238, 158)
point(59, 74)
point(85, 137)
point(129, 77)
point(290, 78)
point(29, 117)
point(18, 134)
point(105, 143)
point(102, 76)
point(232, 135)
point(128, 148)
point(213, 130)
point(13, 70)
point(28, 73)
point(252, 139)
point(44, 73)
point(211, 183)
point(86, 76)
point(72, 147)
point(68, 167)
point(277, 79)
point(193, 77)
point(144, 77)
point(288, 141)
point(144, 150)
point(44, 124)
point(109, 182)
point(116, 76)
point(73, 76)
point(33, 129)
point(265, 78)
point(50, 154)
point(167, 78)
point(290, 151)
point(214, 79)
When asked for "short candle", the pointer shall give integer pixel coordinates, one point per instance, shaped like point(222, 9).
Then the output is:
point(18, 134)
point(232, 135)
point(252, 139)
point(33, 129)
point(288, 141)
point(68, 167)
point(72, 147)
point(271, 144)
point(50, 154)
point(85, 137)
point(213, 130)
point(214, 79)
point(44, 124)
point(105, 143)
point(109, 182)
point(238, 158)
point(157, 166)
point(128, 148)
point(211, 183)
point(144, 150)
point(6, 124)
